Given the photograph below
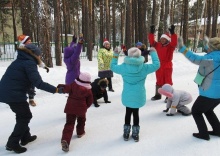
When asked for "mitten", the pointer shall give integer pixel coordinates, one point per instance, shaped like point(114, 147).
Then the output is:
point(166, 110)
point(180, 43)
point(170, 114)
point(60, 90)
point(171, 29)
point(107, 101)
point(152, 49)
point(74, 39)
point(116, 50)
point(206, 43)
point(81, 39)
point(152, 29)
point(47, 69)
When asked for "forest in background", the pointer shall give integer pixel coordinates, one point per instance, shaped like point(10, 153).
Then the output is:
point(120, 21)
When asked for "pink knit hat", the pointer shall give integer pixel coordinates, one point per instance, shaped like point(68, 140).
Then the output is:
point(166, 90)
point(84, 80)
point(166, 36)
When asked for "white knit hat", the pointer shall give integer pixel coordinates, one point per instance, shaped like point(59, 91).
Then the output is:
point(166, 36)
point(134, 52)
point(84, 80)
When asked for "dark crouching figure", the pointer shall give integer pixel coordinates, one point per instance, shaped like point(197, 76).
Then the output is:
point(99, 90)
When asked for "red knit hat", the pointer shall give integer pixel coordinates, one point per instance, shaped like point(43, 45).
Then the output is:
point(105, 41)
point(23, 39)
point(166, 36)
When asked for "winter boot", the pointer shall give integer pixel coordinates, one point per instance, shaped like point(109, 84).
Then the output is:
point(80, 136)
point(135, 132)
point(65, 146)
point(17, 149)
point(157, 95)
point(32, 103)
point(127, 129)
point(199, 136)
point(30, 139)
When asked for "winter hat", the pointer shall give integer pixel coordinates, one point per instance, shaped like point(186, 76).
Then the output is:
point(214, 43)
point(84, 80)
point(23, 39)
point(34, 49)
point(166, 90)
point(138, 44)
point(105, 42)
point(166, 36)
point(134, 52)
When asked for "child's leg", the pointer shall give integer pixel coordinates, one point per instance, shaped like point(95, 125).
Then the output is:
point(68, 127)
point(80, 127)
point(135, 116)
point(135, 127)
point(128, 116)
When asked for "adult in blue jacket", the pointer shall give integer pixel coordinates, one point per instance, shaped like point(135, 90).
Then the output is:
point(14, 85)
point(209, 97)
point(134, 73)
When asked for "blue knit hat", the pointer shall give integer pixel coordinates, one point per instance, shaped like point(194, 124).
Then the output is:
point(138, 44)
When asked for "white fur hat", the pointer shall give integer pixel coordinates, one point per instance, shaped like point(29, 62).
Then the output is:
point(134, 52)
point(166, 36)
point(84, 80)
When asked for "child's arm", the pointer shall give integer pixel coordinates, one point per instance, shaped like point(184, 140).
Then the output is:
point(89, 99)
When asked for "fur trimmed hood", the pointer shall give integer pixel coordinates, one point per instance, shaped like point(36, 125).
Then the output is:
point(31, 52)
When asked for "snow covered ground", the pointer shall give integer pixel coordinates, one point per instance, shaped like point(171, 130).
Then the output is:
point(159, 134)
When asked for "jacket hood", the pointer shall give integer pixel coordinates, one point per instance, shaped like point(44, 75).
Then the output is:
point(134, 64)
point(68, 51)
point(27, 53)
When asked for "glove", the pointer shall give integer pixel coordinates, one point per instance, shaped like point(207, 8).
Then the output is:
point(170, 114)
point(206, 43)
point(166, 110)
point(74, 39)
point(47, 69)
point(60, 90)
point(107, 101)
point(81, 39)
point(171, 29)
point(116, 50)
point(180, 43)
point(152, 29)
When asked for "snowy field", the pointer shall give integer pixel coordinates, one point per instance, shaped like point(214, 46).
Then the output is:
point(159, 134)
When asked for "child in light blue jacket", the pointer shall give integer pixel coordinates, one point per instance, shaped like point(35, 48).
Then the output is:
point(134, 73)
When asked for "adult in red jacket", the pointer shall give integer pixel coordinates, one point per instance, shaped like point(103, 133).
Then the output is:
point(165, 48)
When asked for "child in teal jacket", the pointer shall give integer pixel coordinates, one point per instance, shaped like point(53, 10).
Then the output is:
point(134, 73)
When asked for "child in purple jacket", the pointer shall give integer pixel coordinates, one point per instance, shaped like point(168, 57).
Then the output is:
point(71, 59)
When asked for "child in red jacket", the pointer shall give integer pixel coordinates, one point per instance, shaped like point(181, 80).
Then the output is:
point(79, 100)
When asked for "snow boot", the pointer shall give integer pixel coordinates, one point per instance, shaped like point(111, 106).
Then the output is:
point(135, 132)
point(17, 149)
point(65, 146)
point(30, 139)
point(199, 136)
point(157, 95)
point(127, 129)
